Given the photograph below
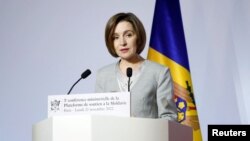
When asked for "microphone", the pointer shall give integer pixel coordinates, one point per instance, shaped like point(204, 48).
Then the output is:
point(129, 74)
point(84, 75)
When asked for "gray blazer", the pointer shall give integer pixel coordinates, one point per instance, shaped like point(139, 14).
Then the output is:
point(151, 95)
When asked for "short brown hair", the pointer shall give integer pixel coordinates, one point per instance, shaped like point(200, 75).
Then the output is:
point(137, 25)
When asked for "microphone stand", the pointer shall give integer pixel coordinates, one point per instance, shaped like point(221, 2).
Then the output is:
point(129, 84)
point(73, 86)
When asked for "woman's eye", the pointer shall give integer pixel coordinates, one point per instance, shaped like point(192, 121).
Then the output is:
point(129, 35)
point(115, 37)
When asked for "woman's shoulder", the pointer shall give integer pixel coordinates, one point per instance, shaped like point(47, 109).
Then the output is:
point(156, 70)
point(154, 66)
point(109, 68)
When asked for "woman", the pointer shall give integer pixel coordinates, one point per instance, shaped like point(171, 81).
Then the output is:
point(150, 85)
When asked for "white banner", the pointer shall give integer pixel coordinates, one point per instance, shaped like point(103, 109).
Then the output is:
point(116, 104)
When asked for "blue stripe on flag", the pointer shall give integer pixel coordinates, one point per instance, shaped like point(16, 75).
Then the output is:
point(167, 35)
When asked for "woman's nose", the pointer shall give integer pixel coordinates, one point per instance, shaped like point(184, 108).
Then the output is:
point(123, 41)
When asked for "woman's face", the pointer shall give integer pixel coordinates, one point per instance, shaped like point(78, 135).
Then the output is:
point(124, 39)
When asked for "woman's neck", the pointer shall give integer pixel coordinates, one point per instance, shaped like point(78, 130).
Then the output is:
point(134, 63)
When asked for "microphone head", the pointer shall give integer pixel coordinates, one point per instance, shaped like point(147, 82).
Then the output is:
point(85, 74)
point(129, 72)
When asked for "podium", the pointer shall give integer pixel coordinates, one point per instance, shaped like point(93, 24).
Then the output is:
point(109, 128)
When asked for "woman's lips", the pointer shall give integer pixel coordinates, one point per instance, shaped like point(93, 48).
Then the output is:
point(124, 50)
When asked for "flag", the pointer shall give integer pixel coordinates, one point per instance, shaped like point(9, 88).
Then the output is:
point(167, 46)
